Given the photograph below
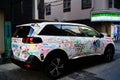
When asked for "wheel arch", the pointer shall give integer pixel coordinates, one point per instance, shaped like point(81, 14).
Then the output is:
point(57, 52)
point(110, 45)
point(50, 57)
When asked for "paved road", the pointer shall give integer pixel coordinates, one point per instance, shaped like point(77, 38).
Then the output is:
point(90, 69)
point(108, 71)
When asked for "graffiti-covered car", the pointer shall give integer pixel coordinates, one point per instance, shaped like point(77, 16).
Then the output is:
point(54, 43)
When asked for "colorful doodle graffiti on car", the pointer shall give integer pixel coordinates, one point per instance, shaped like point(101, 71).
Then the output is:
point(54, 43)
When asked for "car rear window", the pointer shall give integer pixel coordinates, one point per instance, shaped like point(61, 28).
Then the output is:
point(23, 31)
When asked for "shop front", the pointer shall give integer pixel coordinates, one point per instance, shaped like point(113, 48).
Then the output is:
point(108, 21)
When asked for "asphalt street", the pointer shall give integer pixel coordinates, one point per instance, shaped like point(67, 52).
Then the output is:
point(88, 69)
point(108, 71)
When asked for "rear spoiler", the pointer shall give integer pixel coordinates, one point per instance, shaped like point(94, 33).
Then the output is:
point(24, 25)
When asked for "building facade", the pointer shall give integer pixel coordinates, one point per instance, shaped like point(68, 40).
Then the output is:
point(100, 14)
point(15, 12)
point(67, 10)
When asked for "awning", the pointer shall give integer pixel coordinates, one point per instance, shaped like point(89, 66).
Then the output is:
point(105, 15)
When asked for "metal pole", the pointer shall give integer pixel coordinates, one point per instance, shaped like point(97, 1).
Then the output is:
point(113, 3)
point(35, 10)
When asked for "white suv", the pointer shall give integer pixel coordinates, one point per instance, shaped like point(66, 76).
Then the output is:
point(53, 43)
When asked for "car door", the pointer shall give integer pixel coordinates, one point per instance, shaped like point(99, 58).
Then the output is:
point(93, 41)
point(76, 40)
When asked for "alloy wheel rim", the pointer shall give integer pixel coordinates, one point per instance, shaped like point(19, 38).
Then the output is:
point(109, 54)
point(56, 67)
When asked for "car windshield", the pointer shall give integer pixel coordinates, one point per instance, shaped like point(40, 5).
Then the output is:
point(23, 31)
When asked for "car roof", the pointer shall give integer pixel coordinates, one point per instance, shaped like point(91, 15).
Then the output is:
point(46, 23)
point(67, 23)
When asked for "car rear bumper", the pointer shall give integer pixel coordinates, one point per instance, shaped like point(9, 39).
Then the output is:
point(31, 63)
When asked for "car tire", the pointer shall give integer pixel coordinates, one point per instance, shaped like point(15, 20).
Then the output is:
point(55, 66)
point(109, 54)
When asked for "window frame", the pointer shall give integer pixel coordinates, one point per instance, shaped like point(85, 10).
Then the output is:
point(110, 5)
point(60, 30)
point(48, 9)
point(87, 35)
point(85, 4)
point(23, 31)
point(114, 4)
point(66, 7)
point(58, 33)
point(72, 32)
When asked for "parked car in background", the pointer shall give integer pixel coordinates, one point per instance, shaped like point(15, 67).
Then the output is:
point(52, 44)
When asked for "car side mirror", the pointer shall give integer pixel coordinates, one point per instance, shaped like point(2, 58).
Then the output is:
point(101, 35)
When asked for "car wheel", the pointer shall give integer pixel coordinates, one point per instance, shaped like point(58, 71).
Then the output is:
point(55, 66)
point(109, 54)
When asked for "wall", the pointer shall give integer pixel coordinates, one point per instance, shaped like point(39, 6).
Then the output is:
point(100, 5)
point(76, 11)
point(1, 32)
point(75, 14)
point(106, 28)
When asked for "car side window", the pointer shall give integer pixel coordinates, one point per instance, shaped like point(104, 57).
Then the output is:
point(71, 30)
point(22, 31)
point(31, 32)
point(51, 30)
point(89, 32)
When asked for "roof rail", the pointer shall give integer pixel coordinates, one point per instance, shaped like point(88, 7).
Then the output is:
point(43, 20)
point(38, 21)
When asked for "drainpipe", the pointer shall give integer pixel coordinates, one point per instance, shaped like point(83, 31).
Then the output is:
point(113, 3)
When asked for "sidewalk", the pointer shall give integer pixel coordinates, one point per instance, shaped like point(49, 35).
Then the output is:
point(4, 61)
point(8, 66)
point(117, 44)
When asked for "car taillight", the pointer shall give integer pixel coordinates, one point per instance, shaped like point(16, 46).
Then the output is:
point(32, 40)
point(27, 65)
